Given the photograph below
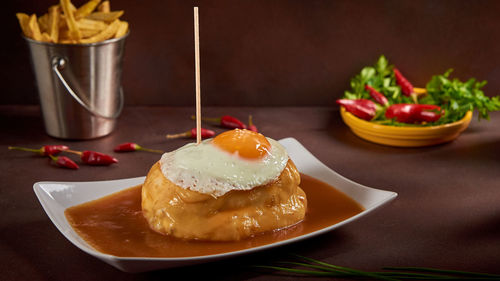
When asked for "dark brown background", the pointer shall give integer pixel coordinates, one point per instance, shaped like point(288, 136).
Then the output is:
point(258, 52)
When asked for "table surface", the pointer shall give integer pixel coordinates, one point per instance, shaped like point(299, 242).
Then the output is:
point(447, 213)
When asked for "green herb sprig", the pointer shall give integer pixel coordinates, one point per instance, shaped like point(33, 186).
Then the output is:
point(452, 95)
point(312, 267)
point(458, 97)
point(381, 77)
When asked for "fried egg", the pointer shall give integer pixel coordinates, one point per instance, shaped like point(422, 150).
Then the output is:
point(234, 160)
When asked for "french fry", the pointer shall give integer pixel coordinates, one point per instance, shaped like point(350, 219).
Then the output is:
point(107, 17)
point(74, 32)
point(62, 17)
point(122, 29)
point(86, 9)
point(86, 33)
point(67, 41)
point(63, 34)
point(64, 23)
point(43, 22)
point(107, 33)
point(23, 22)
point(53, 29)
point(72, 7)
point(104, 7)
point(34, 28)
point(91, 24)
point(46, 37)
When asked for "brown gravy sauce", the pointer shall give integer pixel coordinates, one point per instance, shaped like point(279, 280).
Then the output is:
point(114, 224)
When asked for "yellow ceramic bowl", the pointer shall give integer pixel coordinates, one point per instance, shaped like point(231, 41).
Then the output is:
point(405, 136)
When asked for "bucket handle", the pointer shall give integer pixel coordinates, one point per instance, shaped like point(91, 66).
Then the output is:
point(59, 63)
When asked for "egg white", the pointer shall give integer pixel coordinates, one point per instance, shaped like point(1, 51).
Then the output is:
point(207, 169)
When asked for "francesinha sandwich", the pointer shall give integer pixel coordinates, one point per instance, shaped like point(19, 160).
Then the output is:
point(231, 187)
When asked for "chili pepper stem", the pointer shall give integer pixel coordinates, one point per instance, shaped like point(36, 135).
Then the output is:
point(414, 97)
point(179, 135)
point(151, 150)
point(379, 113)
point(208, 119)
point(74, 152)
point(23, 149)
point(251, 126)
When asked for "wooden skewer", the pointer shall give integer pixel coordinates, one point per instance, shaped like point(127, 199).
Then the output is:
point(197, 74)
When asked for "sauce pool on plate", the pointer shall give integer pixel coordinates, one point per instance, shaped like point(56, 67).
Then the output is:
point(114, 224)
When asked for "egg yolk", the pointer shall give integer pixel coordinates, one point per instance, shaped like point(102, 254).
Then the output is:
point(247, 144)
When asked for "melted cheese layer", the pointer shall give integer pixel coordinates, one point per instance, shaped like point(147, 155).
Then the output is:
point(183, 213)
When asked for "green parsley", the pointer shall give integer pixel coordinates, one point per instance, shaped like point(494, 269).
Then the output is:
point(457, 97)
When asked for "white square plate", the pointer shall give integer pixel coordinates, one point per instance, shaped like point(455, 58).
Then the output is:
point(55, 197)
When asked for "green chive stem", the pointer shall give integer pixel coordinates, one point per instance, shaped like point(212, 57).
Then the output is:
point(303, 271)
point(208, 119)
point(359, 272)
point(402, 273)
point(456, 272)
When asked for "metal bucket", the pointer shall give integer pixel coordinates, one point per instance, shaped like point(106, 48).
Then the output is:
point(79, 86)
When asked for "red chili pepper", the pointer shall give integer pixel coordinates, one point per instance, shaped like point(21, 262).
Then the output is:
point(412, 113)
point(130, 146)
point(428, 116)
point(63, 161)
point(231, 122)
point(94, 157)
point(225, 121)
point(205, 133)
point(402, 112)
point(251, 126)
point(362, 108)
point(406, 86)
point(377, 96)
point(97, 158)
point(44, 150)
